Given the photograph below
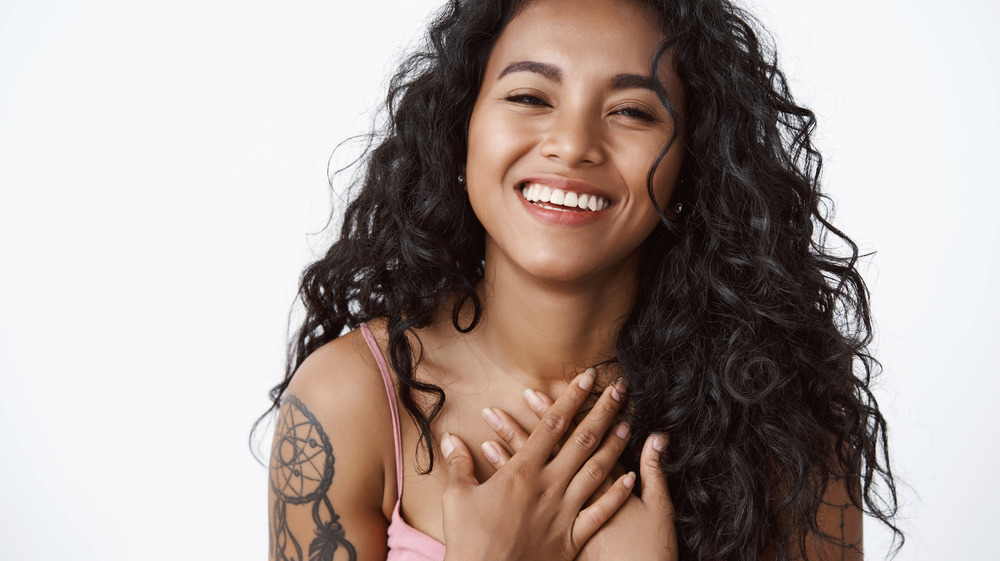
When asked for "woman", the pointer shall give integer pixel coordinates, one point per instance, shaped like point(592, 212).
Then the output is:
point(624, 189)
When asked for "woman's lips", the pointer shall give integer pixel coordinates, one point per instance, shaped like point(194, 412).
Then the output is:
point(559, 205)
point(562, 199)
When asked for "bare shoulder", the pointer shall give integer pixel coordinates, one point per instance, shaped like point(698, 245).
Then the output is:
point(339, 388)
point(341, 382)
point(332, 456)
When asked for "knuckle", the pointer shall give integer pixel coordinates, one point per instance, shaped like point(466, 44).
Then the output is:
point(598, 517)
point(507, 433)
point(609, 408)
point(547, 494)
point(456, 461)
point(555, 423)
point(586, 440)
point(594, 471)
point(518, 471)
point(653, 461)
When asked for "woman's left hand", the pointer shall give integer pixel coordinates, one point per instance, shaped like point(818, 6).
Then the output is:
point(643, 529)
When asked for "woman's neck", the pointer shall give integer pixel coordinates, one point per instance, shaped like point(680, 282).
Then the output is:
point(546, 332)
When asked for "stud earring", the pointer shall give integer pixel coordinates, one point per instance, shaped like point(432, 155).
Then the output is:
point(678, 208)
point(461, 178)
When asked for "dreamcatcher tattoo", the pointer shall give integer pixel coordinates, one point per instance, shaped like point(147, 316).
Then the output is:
point(301, 473)
point(842, 544)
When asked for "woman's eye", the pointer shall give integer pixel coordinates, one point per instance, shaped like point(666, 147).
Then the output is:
point(635, 113)
point(525, 99)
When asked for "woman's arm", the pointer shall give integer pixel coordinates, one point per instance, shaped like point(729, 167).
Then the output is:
point(327, 476)
point(841, 523)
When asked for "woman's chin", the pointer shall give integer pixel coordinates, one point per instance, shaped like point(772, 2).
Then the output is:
point(571, 271)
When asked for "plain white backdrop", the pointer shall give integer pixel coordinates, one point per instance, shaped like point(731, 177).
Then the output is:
point(163, 183)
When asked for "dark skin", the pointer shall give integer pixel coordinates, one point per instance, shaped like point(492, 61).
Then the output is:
point(549, 484)
point(340, 382)
point(563, 489)
point(553, 108)
point(558, 283)
point(837, 517)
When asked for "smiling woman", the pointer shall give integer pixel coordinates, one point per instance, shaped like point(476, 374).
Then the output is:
point(567, 108)
point(611, 202)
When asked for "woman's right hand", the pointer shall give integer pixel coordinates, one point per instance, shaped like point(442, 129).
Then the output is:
point(643, 528)
point(533, 506)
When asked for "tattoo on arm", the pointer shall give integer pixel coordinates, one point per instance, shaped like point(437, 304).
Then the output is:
point(301, 474)
point(843, 544)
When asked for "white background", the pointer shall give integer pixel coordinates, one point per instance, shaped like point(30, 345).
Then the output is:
point(163, 180)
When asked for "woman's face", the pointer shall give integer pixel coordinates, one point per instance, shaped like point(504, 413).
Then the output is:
point(566, 110)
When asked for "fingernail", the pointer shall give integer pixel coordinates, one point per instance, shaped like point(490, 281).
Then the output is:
point(534, 400)
point(492, 419)
point(490, 453)
point(446, 446)
point(659, 442)
point(618, 390)
point(587, 379)
point(629, 480)
point(622, 431)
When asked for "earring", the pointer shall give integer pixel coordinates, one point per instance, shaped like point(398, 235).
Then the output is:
point(461, 178)
point(678, 208)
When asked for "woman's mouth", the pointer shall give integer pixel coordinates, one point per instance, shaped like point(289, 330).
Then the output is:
point(561, 199)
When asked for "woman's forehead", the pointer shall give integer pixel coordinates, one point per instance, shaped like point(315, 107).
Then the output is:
point(564, 31)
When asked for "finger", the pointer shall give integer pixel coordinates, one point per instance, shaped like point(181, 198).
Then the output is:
point(587, 435)
point(616, 471)
point(596, 515)
point(495, 453)
point(557, 419)
point(538, 401)
point(509, 430)
point(458, 461)
point(596, 470)
point(654, 480)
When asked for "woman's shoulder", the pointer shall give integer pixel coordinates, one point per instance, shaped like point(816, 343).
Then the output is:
point(338, 390)
point(340, 372)
point(342, 385)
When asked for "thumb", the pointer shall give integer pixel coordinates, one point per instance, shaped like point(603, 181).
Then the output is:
point(458, 461)
point(654, 480)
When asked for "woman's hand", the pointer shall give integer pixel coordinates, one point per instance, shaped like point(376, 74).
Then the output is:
point(643, 529)
point(533, 507)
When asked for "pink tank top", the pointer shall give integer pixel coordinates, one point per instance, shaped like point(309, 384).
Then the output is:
point(406, 543)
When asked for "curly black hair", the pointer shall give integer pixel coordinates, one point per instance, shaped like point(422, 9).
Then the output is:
point(748, 339)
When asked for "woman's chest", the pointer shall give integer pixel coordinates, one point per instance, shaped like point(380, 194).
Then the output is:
point(462, 416)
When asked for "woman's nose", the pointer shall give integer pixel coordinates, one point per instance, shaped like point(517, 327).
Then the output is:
point(573, 139)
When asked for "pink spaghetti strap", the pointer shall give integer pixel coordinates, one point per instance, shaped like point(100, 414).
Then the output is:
point(391, 393)
point(405, 542)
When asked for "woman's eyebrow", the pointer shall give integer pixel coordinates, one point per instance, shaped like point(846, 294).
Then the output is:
point(632, 81)
point(550, 71)
point(554, 73)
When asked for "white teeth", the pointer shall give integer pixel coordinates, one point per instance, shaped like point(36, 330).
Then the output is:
point(535, 192)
